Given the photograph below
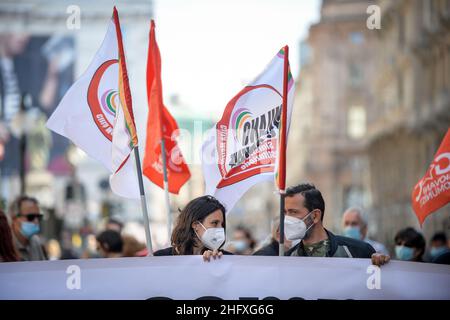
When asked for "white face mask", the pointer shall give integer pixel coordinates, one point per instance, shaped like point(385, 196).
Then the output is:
point(212, 238)
point(294, 228)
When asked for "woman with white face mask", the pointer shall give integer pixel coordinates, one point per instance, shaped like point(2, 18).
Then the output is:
point(200, 229)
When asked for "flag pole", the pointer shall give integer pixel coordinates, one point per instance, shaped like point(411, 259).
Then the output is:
point(166, 189)
point(148, 235)
point(128, 108)
point(282, 163)
point(281, 247)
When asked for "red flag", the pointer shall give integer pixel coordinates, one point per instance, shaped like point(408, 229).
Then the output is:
point(161, 125)
point(433, 191)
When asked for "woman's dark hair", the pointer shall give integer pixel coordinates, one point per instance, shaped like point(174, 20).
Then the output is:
point(412, 239)
point(8, 252)
point(183, 236)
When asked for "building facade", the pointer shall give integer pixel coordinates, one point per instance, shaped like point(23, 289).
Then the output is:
point(372, 107)
point(327, 140)
point(411, 113)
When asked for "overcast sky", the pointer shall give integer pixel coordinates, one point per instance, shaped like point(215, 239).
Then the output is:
point(210, 49)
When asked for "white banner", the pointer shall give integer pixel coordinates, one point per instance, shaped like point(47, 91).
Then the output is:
point(232, 277)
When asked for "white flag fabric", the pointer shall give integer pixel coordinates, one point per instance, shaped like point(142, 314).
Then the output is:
point(91, 115)
point(242, 148)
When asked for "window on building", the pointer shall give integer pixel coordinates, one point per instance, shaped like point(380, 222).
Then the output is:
point(445, 8)
point(356, 122)
point(354, 196)
point(356, 37)
point(400, 94)
point(401, 30)
point(305, 53)
point(355, 73)
point(429, 15)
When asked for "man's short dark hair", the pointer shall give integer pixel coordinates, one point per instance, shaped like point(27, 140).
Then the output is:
point(313, 197)
point(112, 239)
point(439, 236)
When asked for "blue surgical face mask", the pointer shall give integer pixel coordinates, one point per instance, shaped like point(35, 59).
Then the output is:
point(404, 253)
point(240, 245)
point(352, 232)
point(29, 229)
point(437, 251)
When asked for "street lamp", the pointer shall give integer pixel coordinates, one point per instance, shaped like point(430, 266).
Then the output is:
point(21, 124)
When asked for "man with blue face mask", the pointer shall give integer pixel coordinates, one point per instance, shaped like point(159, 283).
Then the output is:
point(305, 207)
point(355, 226)
point(438, 246)
point(25, 215)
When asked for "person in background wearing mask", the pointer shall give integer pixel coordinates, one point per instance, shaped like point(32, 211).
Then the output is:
point(25, 216)
point(110, 244)
point(355, 226)
point(8, 252)
point(438, 246)
point(409, 245)
point(200, 229)
point(272, 249)
point(304, 209)
point(243, 242)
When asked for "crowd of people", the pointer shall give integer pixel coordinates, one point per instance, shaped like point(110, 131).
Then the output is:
point(200, 229)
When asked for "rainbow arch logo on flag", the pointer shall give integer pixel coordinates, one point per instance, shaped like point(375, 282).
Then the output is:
point(240, 116)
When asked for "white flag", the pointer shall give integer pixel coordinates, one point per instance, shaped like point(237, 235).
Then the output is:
point(95, 114)
point(242, 148)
